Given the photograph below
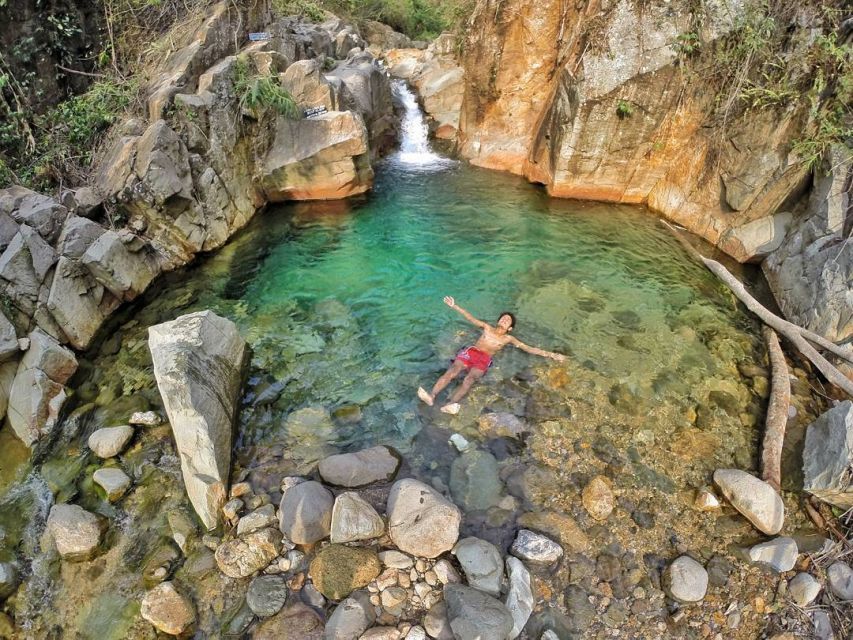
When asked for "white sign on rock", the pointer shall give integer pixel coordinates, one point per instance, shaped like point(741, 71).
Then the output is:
point(198, 362)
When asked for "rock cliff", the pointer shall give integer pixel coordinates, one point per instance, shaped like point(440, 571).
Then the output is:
point(212, 148)
point(629, 102)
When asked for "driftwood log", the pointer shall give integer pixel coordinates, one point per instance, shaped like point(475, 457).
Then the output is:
point(799, 337)
point(777, 412)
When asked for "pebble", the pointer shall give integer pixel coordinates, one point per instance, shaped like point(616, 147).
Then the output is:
point(536, 548)
point(168, 610)
point(686, 580)
point(146, 418)
point(240, 489)
point(396, 559)
point(753, 498)
point(598, 498)
point(266, 595)
point(112, 480)
point(232, 508)
point(445, 572)
point(779, 553)
point(706, 501)
point(457, 440)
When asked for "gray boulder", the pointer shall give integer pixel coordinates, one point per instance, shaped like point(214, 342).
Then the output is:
point(840, 578)
point(77, 235)
point(351, 618)
point(377, 464)
point(519, 599)
point(753, 498)
point(536, 548)
point(24, 266)
point(42, 213)
point(124, 273)
point(828, 456)
point(75, 532)
point(482, 563)
point(353, 518)
point(38, 392)
point(266, 595)
point(685, 580)
point(779, 553)
point(473, 615)
point(305, 512)
point(420, 520)
point(198, 363)
point(8, 339)
point(110, 441)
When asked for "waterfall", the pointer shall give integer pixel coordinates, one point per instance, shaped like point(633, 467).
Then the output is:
point(414, 134)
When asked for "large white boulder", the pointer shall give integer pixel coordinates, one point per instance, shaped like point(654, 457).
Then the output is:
point(421, 521)
point(198, 363)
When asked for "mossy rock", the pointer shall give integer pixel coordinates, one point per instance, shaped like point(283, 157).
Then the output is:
point(338, 570)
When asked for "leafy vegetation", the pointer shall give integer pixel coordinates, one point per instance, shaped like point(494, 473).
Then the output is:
point(40, 150)
point(419, 19)
point(260, 92)
point(624, 109)
point(765, 63)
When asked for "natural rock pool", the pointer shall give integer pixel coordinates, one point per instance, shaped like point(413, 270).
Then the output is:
point(341, 303)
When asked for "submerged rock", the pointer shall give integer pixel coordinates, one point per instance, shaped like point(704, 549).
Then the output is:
point(168, 610)
point(198, 362)
point(828, 456)
point(295, 622)
point(754, 498)
point(243, 556)
point(501, 425)
point(361, 468)
point(266, 595)
point(519, 599)
point(110, 441)
point(353, 518)
point(685, 580)
point(75, 531)
point(536, 548)
point(9, 579)
point(473, 615)
point(598, 498)
point(337, 570)
point(420, 520)
point(482, 563)
point(779, 553)
point(112, 480)
point(305, 512)
point(474, 480)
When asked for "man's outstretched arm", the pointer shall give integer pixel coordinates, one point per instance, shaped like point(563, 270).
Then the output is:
point(450, 302)
point(559, 357)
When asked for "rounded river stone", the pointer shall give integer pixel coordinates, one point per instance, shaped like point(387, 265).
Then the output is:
point(338, 570)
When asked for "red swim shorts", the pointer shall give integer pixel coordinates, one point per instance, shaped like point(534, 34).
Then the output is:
point(474, 359)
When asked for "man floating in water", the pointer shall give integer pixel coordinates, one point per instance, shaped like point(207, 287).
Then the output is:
point(478, 359)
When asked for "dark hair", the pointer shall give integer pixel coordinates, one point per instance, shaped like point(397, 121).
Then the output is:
point(511, 315)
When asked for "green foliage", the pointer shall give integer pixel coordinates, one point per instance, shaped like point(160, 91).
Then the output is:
point(259, 92)
point(419, 19)
point(40, 150)
point(688, 44)
point(624, 109)
point(766, 64)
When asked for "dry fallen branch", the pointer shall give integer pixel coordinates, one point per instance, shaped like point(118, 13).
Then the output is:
point(795, 334)
point(777, 412)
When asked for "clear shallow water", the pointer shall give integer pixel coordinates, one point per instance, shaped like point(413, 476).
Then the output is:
point(342, 303)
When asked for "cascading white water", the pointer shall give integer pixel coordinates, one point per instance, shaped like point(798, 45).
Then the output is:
point(414, 134)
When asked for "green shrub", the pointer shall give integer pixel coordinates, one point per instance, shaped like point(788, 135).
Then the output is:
point(624, 109)
point(258, 93)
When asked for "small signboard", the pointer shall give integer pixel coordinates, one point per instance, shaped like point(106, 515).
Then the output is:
point(259, 36)
point(314, 111)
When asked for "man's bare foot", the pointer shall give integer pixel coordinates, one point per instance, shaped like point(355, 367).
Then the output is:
point(423, 395)
point(452, 408)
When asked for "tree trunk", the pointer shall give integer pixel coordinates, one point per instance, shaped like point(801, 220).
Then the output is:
point(777, 412)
